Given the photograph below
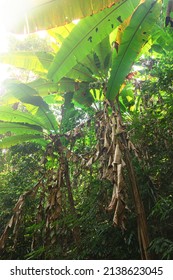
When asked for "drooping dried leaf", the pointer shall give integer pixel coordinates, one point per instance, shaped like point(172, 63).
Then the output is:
point(118, 218)
point(106, 143)
point(89, 163)
point(117, 155)
point(15, 220)
point(120, 179)
point(113, 202)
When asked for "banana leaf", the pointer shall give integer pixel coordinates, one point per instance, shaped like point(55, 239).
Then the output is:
point(18, 139)
point(18, 128)
point(134, 38)
point(39, 108)
point(7, 114)
point(88, 33)
point(46, 14)
point(37, 62)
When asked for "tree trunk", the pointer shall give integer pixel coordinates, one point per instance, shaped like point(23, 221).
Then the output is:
point(141, 217)
point(143, 236)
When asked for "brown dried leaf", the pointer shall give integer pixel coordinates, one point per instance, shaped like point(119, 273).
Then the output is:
point(113, 202)
point(117, 155)
point(3, 239)
point(119, 216)
point(120, 128)
point(89, 163)
point(133, 148)
point(106, 143)
point(19, 204)
point(120, 179)
point(10, 224)
point(110, 161)
point(83, 161)
point(52, 200)
point(123, 163)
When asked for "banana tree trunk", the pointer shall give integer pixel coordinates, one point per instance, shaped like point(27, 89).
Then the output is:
point(140, 212)
point(143, 236)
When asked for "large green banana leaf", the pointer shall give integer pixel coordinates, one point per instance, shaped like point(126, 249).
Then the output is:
point(46, 14)
point(38, 62)
point(39, 108)
point(7, 114)
point(134, 37)
point(86, 35)
point(18, 139)
point(19, 128)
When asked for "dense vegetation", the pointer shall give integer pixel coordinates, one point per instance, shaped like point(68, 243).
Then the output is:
point(86, 140)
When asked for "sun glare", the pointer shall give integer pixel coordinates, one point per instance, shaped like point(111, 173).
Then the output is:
point(4, 41)
point(3, 49)
point(10, 12)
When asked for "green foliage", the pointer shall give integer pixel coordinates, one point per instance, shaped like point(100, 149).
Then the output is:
point(152, 136)
point(18, 171)
point(162, 247)
point(162, 244)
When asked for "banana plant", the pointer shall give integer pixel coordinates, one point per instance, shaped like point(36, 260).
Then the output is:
point(25, 116)
point(84, 57)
